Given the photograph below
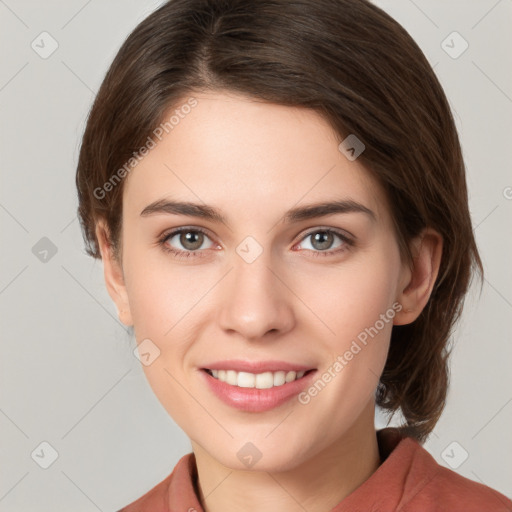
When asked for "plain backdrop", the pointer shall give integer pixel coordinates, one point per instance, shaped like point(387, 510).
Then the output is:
point(68, 376)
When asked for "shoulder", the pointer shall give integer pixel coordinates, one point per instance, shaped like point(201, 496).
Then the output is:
point(154, 500)
point(444, 489)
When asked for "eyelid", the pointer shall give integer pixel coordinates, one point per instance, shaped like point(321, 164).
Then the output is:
point(343, 233)
point(179, 229)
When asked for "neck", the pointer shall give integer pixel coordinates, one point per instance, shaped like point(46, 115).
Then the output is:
point(316, 485)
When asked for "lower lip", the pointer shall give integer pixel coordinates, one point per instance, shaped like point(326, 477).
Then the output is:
point(256, 400)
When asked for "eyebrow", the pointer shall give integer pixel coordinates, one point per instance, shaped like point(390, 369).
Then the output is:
point(165, 206)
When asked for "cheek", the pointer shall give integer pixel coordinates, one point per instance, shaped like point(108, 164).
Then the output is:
point(352, 296)
point(160, 292)
point(165, 304)
point(355, 304)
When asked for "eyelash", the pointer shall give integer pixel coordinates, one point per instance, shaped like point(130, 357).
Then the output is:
point(348, 243)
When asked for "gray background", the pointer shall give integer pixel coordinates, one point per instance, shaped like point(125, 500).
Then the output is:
point(68, 375)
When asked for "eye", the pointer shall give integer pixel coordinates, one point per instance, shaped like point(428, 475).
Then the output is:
point(323, 239)
point(187, 242)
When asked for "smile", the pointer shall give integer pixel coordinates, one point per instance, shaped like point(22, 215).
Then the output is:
point(264, 380)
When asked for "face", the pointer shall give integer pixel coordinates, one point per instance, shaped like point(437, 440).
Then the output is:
point(261, 284)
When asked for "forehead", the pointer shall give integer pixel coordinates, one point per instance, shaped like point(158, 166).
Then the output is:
point(250, 157)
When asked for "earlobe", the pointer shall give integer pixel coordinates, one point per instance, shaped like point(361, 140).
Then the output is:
point(113, 274)
point(421, 277)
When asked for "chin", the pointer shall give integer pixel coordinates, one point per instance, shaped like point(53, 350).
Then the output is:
point(257, 457)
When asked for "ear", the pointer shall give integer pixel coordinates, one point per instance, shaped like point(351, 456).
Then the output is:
point(417, 281)
point(113, 272)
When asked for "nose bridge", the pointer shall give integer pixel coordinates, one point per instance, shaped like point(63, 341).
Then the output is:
point(255, 301)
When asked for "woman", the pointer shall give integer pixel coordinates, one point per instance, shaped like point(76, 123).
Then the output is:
point(278, 195)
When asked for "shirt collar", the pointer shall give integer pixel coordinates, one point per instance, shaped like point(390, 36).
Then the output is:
point(384, 488)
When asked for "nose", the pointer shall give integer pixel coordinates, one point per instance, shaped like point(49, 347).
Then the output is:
point(255, 301)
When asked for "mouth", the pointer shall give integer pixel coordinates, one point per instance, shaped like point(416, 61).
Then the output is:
point(257, 392)
point(264, 380)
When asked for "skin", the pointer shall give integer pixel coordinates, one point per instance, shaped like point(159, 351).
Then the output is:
point(254, 161)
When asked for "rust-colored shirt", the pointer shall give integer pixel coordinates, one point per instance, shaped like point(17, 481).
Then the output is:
point(408, 480)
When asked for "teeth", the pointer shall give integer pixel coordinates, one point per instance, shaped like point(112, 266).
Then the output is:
point(264, 380)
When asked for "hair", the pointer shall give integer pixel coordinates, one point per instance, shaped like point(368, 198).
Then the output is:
point(357, 67)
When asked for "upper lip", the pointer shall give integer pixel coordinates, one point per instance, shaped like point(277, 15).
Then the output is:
point(239, 365)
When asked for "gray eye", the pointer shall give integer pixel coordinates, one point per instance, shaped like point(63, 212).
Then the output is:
point(322, 240)
point(189, 239)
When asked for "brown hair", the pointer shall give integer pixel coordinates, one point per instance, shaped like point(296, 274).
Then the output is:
point(352, 63)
